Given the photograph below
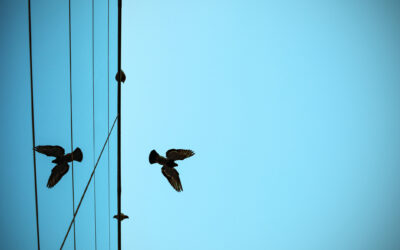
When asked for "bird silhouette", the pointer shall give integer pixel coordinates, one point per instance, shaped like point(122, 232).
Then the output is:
point(122, 217)
point(61, 160)
point(123, 76)
point(168, 164)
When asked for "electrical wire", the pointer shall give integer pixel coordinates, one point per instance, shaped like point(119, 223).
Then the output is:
point(70, 102)
point(87, 185)
point(94, 133)
point(33, 126)
point(108, 117)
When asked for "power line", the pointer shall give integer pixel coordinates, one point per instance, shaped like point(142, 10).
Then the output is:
point(87, 185)
point(108, 116)
point(119, 122)
point(33, 125)
point(94, 133)
point(70, 102)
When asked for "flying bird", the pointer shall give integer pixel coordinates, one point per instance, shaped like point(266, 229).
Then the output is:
point(61, 160)
point(168, 164)
point(122, 217)
point(123, 76)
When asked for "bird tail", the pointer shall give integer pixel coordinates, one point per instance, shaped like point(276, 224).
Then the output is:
point(153, 156)
point(77, 154)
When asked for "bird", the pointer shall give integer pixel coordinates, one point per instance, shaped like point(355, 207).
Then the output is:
point(61, 160)
point(123, 76)
point(168, 164)
point(122, 217)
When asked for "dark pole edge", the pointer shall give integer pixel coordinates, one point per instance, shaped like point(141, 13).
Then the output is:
point(119, 122)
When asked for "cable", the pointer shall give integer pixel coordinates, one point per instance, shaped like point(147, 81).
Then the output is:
point(119, 122)
point(70, 102)
point(108, 116)
point(33, 126)
point(87, 185)
point(94, 134)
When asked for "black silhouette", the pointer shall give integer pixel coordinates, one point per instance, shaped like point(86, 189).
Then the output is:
point(168, 164)
point(122, 217)
point(61, 160)
point(123, 76)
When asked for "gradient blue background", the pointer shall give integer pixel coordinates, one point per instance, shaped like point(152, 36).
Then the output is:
point(292, 108)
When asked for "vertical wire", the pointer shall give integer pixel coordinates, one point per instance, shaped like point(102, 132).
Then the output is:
point(70, 102)
point(94, 133)
point(108, 115)
point(33, 126)
point(119, 123)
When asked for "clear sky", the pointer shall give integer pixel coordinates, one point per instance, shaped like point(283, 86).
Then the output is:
point(292, 108)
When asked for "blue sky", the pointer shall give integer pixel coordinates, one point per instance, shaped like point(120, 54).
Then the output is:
point(292, 108)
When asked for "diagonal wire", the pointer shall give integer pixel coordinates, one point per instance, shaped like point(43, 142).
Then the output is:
point(87, 185)
point(108, 116)
point(33, 125)
point(94, 133)
point(70, 103)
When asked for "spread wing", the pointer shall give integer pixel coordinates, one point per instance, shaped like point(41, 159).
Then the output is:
point(57, 173)
point(48, 150)
point(179, 154)
point(123, 217)
point(173, 177)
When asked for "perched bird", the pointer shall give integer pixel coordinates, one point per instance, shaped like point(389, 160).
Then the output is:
point(168, 164)
point(61, 160)
point(122, 217)
point(123, 76)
